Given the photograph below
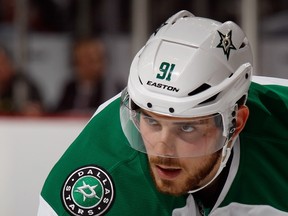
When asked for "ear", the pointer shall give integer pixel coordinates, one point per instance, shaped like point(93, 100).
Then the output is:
point(242, 116)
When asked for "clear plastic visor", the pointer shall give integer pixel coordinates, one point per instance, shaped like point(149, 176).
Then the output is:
point(167, 136)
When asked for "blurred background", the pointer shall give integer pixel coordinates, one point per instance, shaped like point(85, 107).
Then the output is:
point(40, 36)
point(62, 58)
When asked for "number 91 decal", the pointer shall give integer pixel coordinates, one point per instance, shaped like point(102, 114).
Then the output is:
point(166, 70)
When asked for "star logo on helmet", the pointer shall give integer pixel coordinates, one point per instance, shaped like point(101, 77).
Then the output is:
point(226, 43)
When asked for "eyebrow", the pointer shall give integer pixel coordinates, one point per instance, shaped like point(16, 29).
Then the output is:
point(187, 122)
point(192, 122)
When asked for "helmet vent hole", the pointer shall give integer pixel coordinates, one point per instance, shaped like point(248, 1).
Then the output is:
point(209, 99)
point(171, 110)
point(149, 105)
point(200, 89)
point(242, 45)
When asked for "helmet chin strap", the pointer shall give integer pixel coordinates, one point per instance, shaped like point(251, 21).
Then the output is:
point(226, 152)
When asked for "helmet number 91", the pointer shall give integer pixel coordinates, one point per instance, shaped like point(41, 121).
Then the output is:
point(166, 70)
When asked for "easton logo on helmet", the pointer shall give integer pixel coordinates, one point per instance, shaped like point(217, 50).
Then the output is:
point(88, 191)
point(163, 86)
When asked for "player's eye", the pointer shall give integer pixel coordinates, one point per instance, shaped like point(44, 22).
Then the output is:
point(187, 128)
point(150, 120)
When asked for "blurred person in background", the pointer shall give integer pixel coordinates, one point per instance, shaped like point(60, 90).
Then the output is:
point(84, 92)
point(18, 94)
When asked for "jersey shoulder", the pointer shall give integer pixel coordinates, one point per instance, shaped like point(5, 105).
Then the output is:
point(101, 174)
point(268, 105)
point(98, 151)
point(263, 150)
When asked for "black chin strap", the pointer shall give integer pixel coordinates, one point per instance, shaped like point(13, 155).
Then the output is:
point(209, 195)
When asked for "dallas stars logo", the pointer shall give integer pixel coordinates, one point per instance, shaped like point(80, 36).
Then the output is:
point(88, 191)
point(226, 43)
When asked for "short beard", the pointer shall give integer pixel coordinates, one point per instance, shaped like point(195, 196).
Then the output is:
point(191, 182)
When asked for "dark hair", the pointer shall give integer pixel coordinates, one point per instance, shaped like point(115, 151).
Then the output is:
point(241, 101)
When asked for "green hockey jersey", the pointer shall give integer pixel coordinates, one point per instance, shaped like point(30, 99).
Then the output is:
point(100, 174)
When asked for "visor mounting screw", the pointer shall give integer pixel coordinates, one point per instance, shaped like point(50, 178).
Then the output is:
point(149, 105)
point(171, 110)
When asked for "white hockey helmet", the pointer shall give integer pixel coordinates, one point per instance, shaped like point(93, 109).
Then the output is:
point(192, 67)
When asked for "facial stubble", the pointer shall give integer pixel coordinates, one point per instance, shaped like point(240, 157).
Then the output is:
point(192, 181)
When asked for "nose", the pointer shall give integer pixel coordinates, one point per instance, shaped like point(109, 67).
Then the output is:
point(165, 144)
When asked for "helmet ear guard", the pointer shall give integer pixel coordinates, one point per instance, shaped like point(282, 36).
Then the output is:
point(233, 123)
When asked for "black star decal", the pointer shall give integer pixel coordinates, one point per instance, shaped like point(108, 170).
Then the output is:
point(226, 43)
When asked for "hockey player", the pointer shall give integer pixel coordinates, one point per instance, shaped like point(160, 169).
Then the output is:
point(181, 139)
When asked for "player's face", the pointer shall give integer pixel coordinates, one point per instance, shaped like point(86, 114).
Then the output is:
point(167, 137)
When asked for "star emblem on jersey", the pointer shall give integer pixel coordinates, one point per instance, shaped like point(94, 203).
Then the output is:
point(88, 191)
point(226, 43)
